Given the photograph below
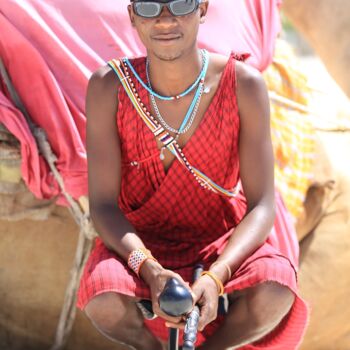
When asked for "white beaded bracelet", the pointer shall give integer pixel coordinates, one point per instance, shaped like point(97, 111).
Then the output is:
point(137, 257)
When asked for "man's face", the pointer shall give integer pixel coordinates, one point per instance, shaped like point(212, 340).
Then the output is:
point(167, 36)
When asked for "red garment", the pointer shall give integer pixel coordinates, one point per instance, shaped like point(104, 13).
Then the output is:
point(182, 223)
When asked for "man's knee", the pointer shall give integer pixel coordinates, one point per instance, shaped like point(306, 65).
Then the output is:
point(268, 304)
point(107, 310)
point(117, 317)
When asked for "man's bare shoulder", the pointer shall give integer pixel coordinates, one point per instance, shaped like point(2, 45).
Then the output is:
point(103, 83)
point(249, 80)
point(102, 95)
point(218, 64)
point(251, 93)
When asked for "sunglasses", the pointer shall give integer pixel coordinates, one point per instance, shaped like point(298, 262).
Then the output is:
point(152, 9)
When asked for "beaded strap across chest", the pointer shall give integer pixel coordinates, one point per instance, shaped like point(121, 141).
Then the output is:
point(168, 141)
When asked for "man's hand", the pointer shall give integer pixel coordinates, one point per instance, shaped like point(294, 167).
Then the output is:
point(206, 296)
point(156, 277)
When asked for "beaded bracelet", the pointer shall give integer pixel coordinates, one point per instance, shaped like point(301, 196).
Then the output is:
point(217, 281)
point(228, 269)
point(137, 257)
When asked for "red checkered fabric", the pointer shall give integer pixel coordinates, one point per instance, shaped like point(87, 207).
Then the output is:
point(183, 224)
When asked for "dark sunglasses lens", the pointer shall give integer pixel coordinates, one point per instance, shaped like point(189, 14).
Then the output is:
point(147, 9)
point(182, 7)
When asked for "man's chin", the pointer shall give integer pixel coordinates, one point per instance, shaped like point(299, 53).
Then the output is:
point(168, 55)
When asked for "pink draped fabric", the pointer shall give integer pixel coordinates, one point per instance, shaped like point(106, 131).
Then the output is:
point(50, 48)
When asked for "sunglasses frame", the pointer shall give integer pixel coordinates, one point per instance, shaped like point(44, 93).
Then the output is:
point(162, 5)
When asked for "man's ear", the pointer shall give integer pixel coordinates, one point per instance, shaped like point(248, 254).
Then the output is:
point(203, 11)
point(131, 15)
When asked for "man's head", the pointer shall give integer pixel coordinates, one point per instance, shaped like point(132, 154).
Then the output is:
point(167, 28)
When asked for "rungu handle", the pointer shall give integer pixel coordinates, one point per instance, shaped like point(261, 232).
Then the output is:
point(175, 300)
point(190, 332)
point(191, 329)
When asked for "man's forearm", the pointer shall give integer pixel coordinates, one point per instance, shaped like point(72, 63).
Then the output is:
point(248, 236)
point(118, 235)
point(115, 230)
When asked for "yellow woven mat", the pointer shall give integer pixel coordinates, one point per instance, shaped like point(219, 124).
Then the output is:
point(293, 134)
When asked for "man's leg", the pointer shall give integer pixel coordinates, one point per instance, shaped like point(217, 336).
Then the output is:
point(252, 314)
point(117, 317)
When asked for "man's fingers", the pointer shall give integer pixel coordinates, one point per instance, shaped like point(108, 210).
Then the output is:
point(170, 318)
point(196, 297)
point(205, 317)
point(180, 325)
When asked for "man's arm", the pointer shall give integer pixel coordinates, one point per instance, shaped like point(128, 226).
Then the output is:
point(256, 171)
point(104, 167)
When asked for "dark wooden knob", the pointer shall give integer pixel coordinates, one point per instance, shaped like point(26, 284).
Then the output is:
point(175, 299)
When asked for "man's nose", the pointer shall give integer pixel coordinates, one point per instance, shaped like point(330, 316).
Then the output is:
point(166, 18)
point(165, 12)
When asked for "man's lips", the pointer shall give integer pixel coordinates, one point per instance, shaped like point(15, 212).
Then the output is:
point(166, 37)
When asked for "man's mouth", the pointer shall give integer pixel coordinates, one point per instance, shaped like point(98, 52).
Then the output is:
point(166, 37)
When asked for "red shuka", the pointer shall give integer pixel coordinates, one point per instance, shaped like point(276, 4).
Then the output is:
point(183, 224)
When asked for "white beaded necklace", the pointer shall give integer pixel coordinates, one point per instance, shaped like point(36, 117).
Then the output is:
point(193, 109)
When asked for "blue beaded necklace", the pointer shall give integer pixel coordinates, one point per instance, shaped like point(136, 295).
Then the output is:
point(191, 112)
point(170, 98)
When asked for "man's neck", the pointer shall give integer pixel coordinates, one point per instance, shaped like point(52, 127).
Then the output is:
point(170, 78)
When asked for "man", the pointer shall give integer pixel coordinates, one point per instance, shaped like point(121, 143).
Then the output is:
point(198, 188)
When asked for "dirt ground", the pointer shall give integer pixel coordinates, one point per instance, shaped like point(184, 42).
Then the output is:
point(35, 260)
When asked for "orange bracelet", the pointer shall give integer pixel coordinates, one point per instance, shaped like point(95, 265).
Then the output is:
point(217, 281)
point(228, 269)
point(137, 257)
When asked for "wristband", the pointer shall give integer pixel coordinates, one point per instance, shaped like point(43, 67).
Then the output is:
point(228, 269)
point(137, 257)
point(217, 281)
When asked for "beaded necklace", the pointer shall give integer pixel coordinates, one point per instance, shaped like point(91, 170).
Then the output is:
point(183, 128)
point(192, 111)
point(162, 135)
point(168, 98)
